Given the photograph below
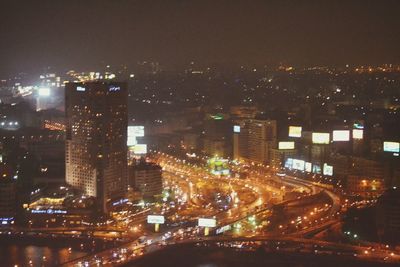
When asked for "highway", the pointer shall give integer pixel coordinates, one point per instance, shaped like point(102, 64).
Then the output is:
point(257, 210)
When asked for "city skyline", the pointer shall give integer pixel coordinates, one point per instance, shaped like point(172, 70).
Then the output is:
point(199, 133)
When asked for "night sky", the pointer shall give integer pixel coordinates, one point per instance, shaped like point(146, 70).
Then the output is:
point(87, 34)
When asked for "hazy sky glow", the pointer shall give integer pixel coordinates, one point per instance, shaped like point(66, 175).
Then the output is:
point(86, 34)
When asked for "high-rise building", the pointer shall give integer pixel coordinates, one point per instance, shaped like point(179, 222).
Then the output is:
point(388, 215)
point(146, 177)
point(253, 139)
point(216, 128)
point(96, 138)
point(7, 201)
point(241, 140)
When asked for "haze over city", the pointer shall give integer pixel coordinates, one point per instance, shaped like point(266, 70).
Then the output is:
point(199, 133)
point(90, 34)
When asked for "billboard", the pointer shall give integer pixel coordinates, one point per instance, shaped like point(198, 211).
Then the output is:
point(131, 141)
point(155, 219)
point(138, 131)
point(308, 166)
point(298, 164)
point(286, 145)
point(295, 131)
point(316, 169)
point(236, 128)
point(223, 229)
point(358, 134)
point(289, 163)
point(204, 222)
point(320, 138)
point(139, 149)
point(44, 91)
point(133, 133)
point(391, 147)
point(327, 170)
point(341, 135)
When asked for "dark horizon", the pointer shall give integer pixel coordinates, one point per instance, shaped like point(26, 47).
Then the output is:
point(92, 34)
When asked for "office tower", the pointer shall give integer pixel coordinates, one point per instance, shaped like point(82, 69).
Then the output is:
point(146, 177)
point(216, 128)
point(241, 140)
point(96, 138)
point(7, 201)
point(262, 137)
point(388, 216)
point(253, 140)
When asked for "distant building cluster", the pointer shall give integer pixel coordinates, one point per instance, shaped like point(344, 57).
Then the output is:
point(89, 135)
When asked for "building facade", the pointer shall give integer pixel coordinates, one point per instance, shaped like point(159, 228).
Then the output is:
point(254, 139)
point(7, 201)
point(146, 178)
point(96, 138)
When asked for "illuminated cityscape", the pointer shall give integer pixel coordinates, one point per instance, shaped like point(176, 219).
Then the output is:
point(200, 133)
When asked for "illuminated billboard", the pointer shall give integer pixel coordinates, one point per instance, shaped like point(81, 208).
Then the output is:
point(44, 91)
point(159, 219)
point(341, 135)
point(236, 128)
point(139, 149)
point(320, 138)
point(286, 145)
point(298, 164)
point(204, 222)
point(223, 229)
point(391, 147)
point(295, 131)
point(80, 89)
point(358, 134)
point(289, 163)
point(131, 141)
point(327, 169)
point(133, 133)
point(308, 166)
point(316, 168)
point(138, 131)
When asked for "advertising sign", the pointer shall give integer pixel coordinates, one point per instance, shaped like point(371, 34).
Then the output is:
point(140, 149)
point(131, 136)
point(44, 91)
point(308, 167)
point(286, 145)
point(289, 163)
point(295, 131)
point(204, 222)
point(358, 134)
point(223, 229)
point(155, 219)
point(320, 138)
point(391, 147)
point(327, 170)
point(298, 164)
point(341, 135)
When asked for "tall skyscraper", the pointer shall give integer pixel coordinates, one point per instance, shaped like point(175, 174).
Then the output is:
point(262, 137)
point(253, 140)
point(96, 138)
